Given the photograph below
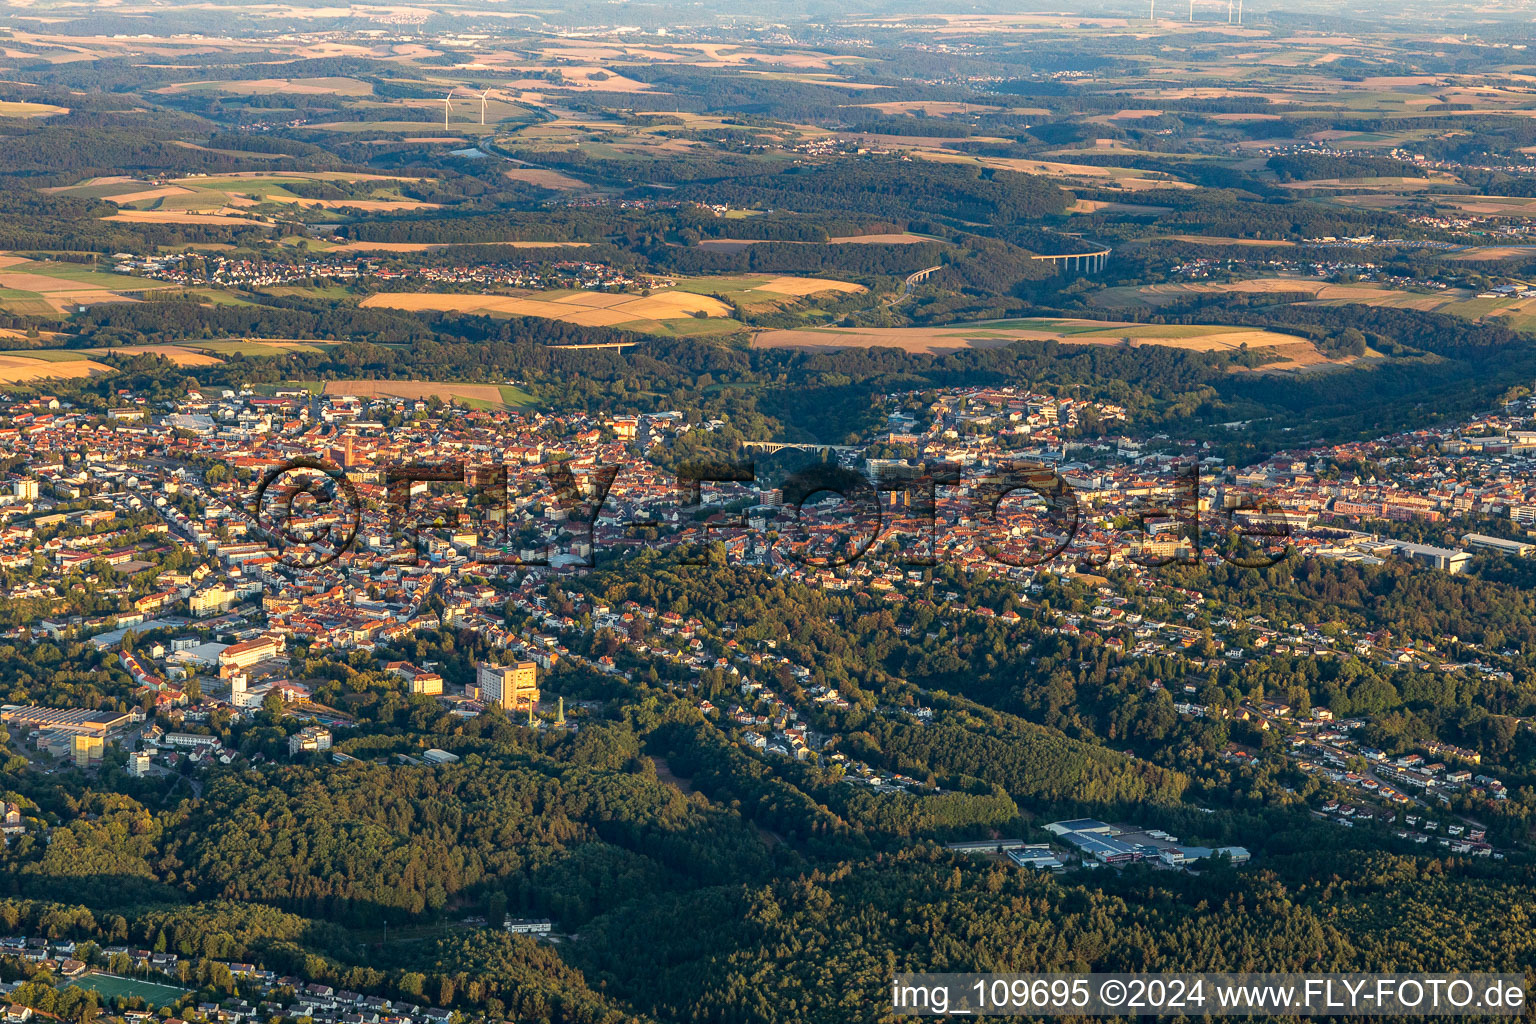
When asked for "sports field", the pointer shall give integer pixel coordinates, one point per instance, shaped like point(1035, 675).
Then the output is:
point(111, 985)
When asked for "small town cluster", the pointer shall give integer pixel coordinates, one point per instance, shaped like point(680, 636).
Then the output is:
point(192, 269)
point(138, 533)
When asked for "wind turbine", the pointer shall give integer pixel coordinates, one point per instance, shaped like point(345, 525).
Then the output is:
point(1152, 11)
point(482, 103)
point(447, 106)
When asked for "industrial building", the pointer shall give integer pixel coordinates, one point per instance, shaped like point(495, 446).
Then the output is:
point(1517, 548)
point(80, 720)
point(1114, 844)
point(1037, 856)
point(1448, 559)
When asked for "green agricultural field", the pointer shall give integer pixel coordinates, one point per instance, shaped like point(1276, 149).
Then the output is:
point(219, 297)
point(26, 303)
point(104, 189)
point(80, 273)
point(691, 327)
point(330, 291)
point(728, 286)
point(59, 355)
point(256, 348)
point(515, 397)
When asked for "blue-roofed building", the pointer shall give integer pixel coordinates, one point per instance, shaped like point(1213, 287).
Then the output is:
point(1096, 839)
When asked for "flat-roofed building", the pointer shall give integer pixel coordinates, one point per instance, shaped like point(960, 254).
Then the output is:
point(81, 720)
point(528, 925)
point(1518, 548)
point(419, 680)
point(1037, 856)
point(1096, 840)
point(212, 600)
point(308, 739)
point(190, 739)
point(239, 657)
point(513, 687)
point(1448, 559)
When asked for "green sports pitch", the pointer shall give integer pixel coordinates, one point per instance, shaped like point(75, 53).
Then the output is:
point(110, 986)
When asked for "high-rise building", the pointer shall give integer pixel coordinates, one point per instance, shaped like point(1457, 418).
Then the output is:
point(87, 750)
point(513, 687)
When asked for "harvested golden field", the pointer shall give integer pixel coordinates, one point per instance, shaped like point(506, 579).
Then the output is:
point(1260, 286)
point(276, 86)
point(933, 108)
point(175, 353)
point(48, 287)
point(23, 281)
point(24, 108)
point(172, 217)
point(414, 389)
point(905, 238)
point(1492, 252)
point(545, 178)
point(1196, 337)
point(1395, 183)
point(1322, 291)
point(1503, 206)
point(674, 305)
point(588, 309)
point(930, 340)
point(149, 193)
point(15, 369)
point(425, 246)
point(371, 205)
point(592, 79)
point(1118, 177)
point(802, 286)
